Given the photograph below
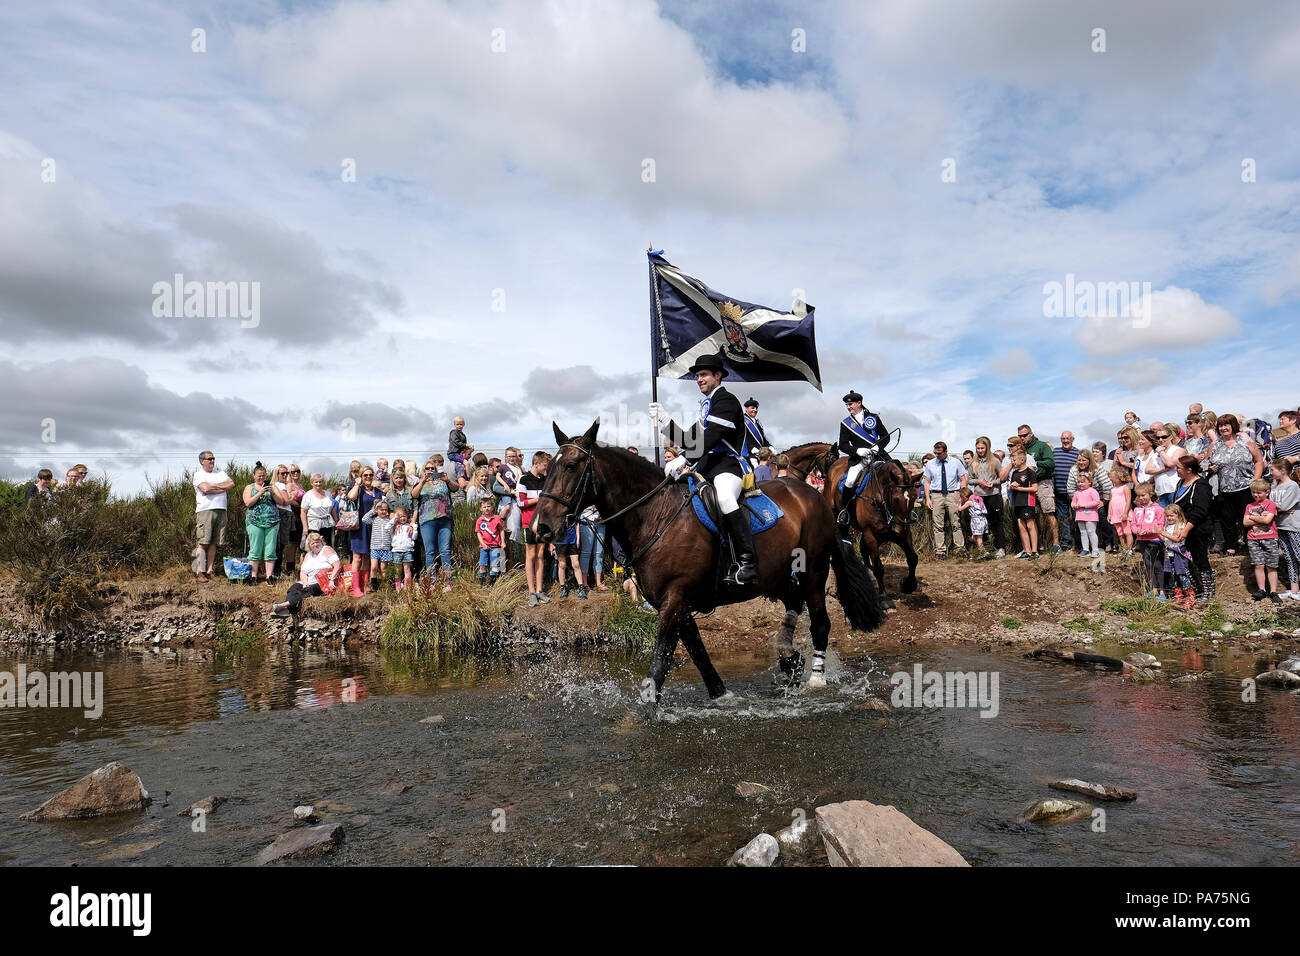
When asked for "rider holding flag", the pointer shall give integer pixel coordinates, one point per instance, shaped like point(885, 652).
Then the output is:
point(717, 457)
point(862, 437)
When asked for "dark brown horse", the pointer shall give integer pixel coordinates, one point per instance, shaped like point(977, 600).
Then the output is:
point(883, 512)
point(675, 556)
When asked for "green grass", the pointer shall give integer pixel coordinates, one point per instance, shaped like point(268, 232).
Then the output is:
point(624, 618)
point(235, 642)
point(1011, 623)
point(425, 619)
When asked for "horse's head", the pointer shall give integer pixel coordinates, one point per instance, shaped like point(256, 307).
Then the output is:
point(570, 483)
point(898, 491)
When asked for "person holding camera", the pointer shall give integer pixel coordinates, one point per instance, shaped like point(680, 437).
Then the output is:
point(262, 522)
point(433, 492)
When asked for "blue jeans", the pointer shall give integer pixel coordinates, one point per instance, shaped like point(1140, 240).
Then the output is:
point(1166, 500)
point(591, 551)
point(436, 535)
point(1063, 518)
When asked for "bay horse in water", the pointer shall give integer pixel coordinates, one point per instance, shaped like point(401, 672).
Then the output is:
point(883, 512)
point(675, 556)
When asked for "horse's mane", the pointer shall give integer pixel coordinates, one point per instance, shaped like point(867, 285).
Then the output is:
point(634, 463)
point(807, 444)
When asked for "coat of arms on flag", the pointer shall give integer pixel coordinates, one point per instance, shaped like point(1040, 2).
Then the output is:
point(757, 344)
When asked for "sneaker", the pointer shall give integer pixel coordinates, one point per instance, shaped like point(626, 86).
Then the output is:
point(1087, 554)
point(580, 593)
point(1276, 599)
point(532, 599)
point(1002, 553)
point(1162, 596)
point(1023, 554)
point(1060, 548)
point(1289, 596)
point(281, 610)
point(1258, 596)
point(543, 597)
point(647, 606)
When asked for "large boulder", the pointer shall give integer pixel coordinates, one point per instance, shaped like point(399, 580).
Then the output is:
point(1278, 678)
point(859, 833)
point(303, 844)
point(110, 789)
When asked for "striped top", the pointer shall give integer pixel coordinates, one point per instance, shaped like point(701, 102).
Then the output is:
point(381, 531)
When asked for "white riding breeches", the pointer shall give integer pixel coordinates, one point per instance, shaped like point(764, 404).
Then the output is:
point(729, 488)
point(851, 476)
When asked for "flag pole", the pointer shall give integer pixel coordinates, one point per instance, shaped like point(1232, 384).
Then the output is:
point(657, 319)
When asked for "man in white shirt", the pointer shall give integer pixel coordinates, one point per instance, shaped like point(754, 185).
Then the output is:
point(210, 487)
point(944, 478)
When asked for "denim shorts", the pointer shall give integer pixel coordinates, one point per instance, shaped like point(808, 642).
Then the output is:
point(489, 558)
point(401, 557)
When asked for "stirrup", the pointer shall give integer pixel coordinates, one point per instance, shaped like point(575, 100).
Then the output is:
point(842, 518)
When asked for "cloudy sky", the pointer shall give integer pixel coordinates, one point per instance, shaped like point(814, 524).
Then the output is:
point(921, 170)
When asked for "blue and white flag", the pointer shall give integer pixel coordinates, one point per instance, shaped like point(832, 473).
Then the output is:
point(689, 320)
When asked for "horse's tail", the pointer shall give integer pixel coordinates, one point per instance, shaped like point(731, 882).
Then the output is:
point(855, 588)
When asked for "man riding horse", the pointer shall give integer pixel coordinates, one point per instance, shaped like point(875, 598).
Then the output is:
point(755, 437)
point(862, 437)
point(716, 456)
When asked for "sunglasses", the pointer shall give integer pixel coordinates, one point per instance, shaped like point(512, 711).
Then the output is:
point(207, 459)
point(1162, 436)
point(295, 472)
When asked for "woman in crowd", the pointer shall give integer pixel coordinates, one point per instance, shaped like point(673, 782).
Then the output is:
point(1193, 496)
point(1124, 457)
point(1104, 528)
point(399, 495)
point(1237, 462)
point(1085, 464)
point(479, 488)
point(433, 492)
point(286, 542)
point(1146, 458)
point(354, 476)
point(1167, 475)
point(262, 522)
point(319, 575)
point(319, 511)
point(986, 481)
point(591, 551)
point(365, 493)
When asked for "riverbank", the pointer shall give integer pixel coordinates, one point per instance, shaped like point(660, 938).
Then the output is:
point(1055, 599)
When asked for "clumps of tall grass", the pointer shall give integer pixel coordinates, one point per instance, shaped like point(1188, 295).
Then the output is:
point(428, 619)
point(626, 619)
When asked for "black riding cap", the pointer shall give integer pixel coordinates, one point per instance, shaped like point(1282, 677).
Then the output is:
point(709, 363)
point(752, 403)
point(851, 397)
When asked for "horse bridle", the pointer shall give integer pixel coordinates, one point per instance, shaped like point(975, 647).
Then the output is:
point(570, 504)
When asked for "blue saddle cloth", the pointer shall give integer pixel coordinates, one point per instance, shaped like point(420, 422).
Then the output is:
point(862, 481)
point(764, 514)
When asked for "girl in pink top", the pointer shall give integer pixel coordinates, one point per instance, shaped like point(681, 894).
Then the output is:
point(1119, 516)
point(1147, 520)
point(1086, 501)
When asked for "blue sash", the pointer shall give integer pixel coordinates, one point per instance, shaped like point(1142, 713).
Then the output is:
point(861, 431)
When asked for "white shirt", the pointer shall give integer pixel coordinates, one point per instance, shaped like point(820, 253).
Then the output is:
point(284, 486)
point(318, 506)
point(215, 501)
point(311, 563)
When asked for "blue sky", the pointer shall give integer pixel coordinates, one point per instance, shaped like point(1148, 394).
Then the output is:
point(520, 171)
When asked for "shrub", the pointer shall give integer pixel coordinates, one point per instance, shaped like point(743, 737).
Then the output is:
point(429, 619)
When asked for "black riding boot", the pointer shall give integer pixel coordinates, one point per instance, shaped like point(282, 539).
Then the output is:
point(845, 502)
point(742, 543)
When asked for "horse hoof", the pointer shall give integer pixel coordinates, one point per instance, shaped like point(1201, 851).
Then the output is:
point(792, 666)
point(816, 680)
point(909, 587)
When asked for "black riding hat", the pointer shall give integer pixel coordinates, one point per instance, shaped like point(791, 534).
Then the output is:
point(851, 397)
point(709, 363)
point(752, 403)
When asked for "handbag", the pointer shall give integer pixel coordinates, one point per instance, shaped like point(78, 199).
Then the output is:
point(349, 519)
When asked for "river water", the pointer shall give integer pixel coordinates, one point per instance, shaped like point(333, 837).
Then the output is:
point(535, 762)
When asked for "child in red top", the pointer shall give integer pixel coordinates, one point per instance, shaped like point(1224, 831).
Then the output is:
point(1261, 539)
point(1147, 520)
point(488, 528)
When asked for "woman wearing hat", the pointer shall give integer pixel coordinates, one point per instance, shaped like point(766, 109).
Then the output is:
point(715, 455)
point(862, 435)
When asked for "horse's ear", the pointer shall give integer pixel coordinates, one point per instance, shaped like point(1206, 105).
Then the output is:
point(588, 438)
point(560, 437)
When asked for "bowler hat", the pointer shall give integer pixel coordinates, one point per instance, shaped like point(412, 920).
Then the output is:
point(708, 363)
point(851, 397)
point(752, 403)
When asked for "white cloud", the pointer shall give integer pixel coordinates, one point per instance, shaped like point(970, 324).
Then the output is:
point(1012, 363)
point(1179, 319)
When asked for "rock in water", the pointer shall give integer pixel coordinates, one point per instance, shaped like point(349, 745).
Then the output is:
point(110, 789)
point(760, 851)
point(1139, 659)
point(859, 833)
point(1055, 811)
point(748, 790)
point(205, 806)
point(798, 840)
point(305, 814)
point(1291, 664)
point(1279, 677)
point(1099, 791)
point(303, 844)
